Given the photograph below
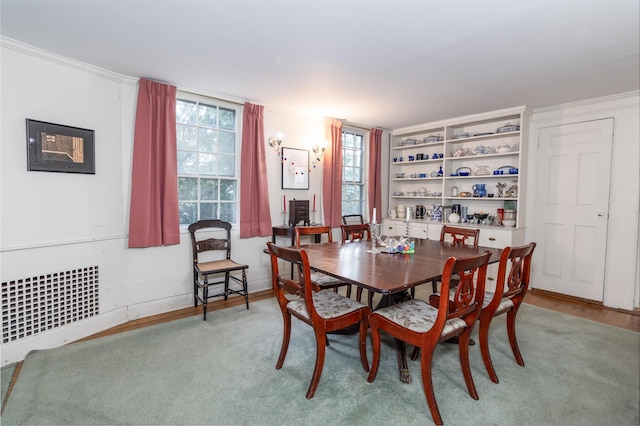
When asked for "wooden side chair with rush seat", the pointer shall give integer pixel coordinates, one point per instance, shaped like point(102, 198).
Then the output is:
point(211, 254)
point(418, 323)
point(325, 311)
point(323, 281)
point(514, 273)
point(353, 233)
point(352, 219)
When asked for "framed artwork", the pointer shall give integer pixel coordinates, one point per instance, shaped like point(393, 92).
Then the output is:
point(295, 168)
point(57, 148)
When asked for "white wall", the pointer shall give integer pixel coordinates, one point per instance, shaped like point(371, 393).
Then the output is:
point(621, 286)
point(53, 222)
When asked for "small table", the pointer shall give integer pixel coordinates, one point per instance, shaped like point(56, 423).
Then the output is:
point(391, 275)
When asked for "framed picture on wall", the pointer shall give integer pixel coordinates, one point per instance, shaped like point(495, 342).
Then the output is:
point(295, 168)
point(58, 148)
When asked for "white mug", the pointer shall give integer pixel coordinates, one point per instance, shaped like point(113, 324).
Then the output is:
point(401, 211)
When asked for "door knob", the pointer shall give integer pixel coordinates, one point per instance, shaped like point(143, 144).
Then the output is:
point(600, 214)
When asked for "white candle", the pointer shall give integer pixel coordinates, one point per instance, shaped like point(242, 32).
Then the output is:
point(373, 219)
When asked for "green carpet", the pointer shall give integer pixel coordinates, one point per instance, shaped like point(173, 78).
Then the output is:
point(223, 372)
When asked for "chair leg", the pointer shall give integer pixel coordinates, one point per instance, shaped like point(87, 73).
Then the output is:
point(205, 297)
point(245, 287)
point(359, 294)
point(349, 290)
point(286, 334)
point(464, 362)
point(483, 332)
point(375, 345)
point(427, 383)
point(364, 326)
point(226, 285)
point(434, 286)
point(370, 299)
point(511, 331)
point(321, 343)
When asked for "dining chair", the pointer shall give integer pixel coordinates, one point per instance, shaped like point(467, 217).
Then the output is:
point(458, 236)
point(211, 256)
point(418, 323)
point(352, 219)
point(323, 281)
point(357, 232)
point(514, 272)
point(325, 311)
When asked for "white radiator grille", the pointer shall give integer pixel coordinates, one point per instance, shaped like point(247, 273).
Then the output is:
point(37, 304)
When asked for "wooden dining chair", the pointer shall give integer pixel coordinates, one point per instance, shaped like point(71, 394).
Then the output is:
point(514, 273)
point(458, 236)
point(211, 257)
point(323, 281)
point(358, 232)
point(325, 311)
point(418, 323)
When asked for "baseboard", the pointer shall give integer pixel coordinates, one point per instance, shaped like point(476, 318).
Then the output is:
point(574, 299)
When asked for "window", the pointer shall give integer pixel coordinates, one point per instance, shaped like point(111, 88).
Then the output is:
point(207, 140)
point(353, 173)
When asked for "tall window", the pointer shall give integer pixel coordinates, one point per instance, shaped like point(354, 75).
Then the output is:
point(208, 144)
point(353, 173)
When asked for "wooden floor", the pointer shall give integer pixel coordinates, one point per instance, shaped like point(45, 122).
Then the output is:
point(554, 302)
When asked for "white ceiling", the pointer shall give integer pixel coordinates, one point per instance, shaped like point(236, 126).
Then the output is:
point(387, 63)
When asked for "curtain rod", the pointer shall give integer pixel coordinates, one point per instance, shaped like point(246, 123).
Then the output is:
point(356, 126)
point(209, 95)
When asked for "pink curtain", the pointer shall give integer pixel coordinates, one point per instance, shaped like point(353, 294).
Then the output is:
point(153, 217)
point(375, 179)
point(332, 174)
point(255, 214)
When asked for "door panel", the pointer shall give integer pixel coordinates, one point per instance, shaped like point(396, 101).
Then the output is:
point(572, 198)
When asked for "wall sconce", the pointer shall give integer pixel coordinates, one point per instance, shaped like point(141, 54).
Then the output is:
point(274, 142)
point(318, 149)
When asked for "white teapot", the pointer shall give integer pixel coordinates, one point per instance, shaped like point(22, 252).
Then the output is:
point(481, 149)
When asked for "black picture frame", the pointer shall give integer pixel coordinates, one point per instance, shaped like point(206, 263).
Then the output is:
point(295, 168)
point(58, 148)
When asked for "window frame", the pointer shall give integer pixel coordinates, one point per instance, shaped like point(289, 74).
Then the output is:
point(219, 103)
point(364, 166)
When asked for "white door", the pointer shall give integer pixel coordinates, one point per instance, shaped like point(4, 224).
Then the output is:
point(571, 210)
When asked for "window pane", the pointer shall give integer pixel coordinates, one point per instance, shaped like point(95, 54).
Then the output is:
point(227, 119)
point(358, 142)
point(186, 137)
point(208, 211)
point(188, 213)
point(208, 140)
point(228, 212)
point(187, 164)
point(186, 112)
point(208, 189)
point(207, 115)
point(227, 142)
point(187, 188)
point(227, 165)
point(208, 164)
point(347, 140)
point(228, 189)
point(347, 174)
point(357, 175)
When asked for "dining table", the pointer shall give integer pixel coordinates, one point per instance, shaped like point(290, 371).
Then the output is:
point(391, 275)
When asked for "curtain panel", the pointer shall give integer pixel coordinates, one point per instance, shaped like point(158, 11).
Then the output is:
point(375, 172)
point(332, 174)
point(153, 217)
point(255, 213)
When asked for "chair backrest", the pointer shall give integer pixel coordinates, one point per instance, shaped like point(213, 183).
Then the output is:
point(215, 229)
point(355, 232)
point(352, 219)
point(460, 236)
point(514, 272)
point(313, 230)
point(283, 286)
point(471, 276)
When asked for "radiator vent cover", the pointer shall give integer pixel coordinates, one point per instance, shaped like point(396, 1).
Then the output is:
point(37, 304)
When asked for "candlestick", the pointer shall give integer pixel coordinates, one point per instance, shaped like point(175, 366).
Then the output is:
point(373, 219)
point(374, 245)
point(284, 201)
point(314, 202)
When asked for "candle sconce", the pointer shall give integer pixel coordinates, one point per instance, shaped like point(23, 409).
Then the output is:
point(318, 149)
point(275, 142)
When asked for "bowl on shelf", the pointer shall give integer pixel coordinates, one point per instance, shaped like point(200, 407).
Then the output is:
point(400, 175)
point(481, 216)
point(463, 171)
point(509, 223)
point(459, 152)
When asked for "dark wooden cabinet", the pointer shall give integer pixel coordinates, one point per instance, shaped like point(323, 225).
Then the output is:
point(299, 212)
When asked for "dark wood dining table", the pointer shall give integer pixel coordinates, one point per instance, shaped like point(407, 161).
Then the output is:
point(390, 275)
